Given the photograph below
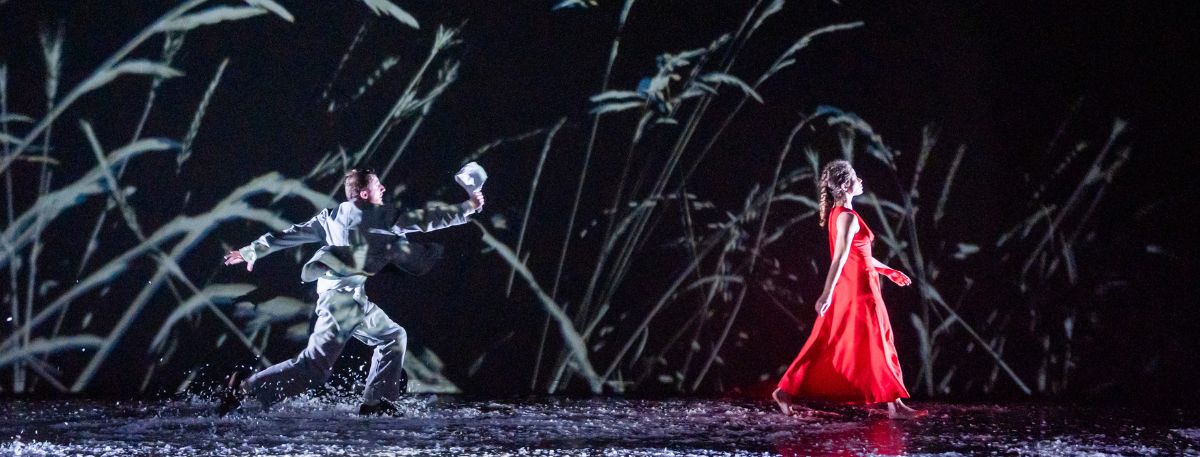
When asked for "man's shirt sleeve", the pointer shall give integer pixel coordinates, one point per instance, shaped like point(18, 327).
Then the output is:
point(312, 231)
point(435, 216)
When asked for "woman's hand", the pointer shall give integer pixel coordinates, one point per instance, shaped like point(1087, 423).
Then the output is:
point(822, 304)
point(895, 275)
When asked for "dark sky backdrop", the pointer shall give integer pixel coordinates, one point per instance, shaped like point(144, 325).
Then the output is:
point(999, 77)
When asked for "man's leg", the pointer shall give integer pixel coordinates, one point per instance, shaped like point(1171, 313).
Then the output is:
point(387, 364)
point(337, 315)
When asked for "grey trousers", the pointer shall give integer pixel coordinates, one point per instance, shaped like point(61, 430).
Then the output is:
point(341, 314)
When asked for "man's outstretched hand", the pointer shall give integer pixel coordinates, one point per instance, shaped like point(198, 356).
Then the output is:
point(476, 201)
point(235, 257)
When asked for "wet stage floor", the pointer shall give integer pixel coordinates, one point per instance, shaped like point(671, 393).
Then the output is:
point(449, 425)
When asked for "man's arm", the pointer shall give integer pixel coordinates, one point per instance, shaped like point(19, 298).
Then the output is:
point(437, 216)
point(311, 231)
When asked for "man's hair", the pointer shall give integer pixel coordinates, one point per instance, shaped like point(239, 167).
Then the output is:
point(355, 181)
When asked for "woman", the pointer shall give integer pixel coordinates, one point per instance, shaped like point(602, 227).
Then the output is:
point(849, 356)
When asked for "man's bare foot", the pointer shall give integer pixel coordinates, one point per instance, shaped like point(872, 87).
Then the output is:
point(899, 411)
point(783, 400)
point(230, 398)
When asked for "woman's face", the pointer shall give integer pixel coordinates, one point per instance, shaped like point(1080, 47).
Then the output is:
point(856, 185)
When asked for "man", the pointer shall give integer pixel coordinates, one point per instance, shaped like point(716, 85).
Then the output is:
point(360, 237)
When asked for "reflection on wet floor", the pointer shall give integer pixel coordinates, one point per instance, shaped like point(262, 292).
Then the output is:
point(448, 425)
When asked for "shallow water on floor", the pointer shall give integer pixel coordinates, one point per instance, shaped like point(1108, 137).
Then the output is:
point(450, 425)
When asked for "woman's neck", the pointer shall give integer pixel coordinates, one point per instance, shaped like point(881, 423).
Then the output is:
point(848, 203)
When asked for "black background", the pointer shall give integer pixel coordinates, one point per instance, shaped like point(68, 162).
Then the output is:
point(1001, 78)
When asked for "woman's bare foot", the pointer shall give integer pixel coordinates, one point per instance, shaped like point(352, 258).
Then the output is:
point(899, 411)
point(783, 400)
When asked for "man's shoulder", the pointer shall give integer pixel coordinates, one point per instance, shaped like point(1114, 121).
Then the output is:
point(343, 208)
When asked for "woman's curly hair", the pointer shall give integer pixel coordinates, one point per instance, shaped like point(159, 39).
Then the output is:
point(835, 179)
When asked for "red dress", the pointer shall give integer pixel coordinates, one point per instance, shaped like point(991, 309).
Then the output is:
point(849, 356)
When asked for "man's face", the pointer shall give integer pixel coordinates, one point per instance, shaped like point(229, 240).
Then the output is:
point(373, 192)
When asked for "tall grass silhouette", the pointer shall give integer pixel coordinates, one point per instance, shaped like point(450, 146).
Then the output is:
point(34, 340)
point(719, 255)
point(647, 289)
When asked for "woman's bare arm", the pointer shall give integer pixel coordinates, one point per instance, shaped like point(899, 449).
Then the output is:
point(893, 274)
point(846, 226)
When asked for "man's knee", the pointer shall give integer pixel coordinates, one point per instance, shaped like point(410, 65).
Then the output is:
point(393, 341)
point(317, 369)
point(319, 372)
point(402, 336)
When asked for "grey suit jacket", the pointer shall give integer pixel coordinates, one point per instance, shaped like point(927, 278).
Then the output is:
point(361, 239)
